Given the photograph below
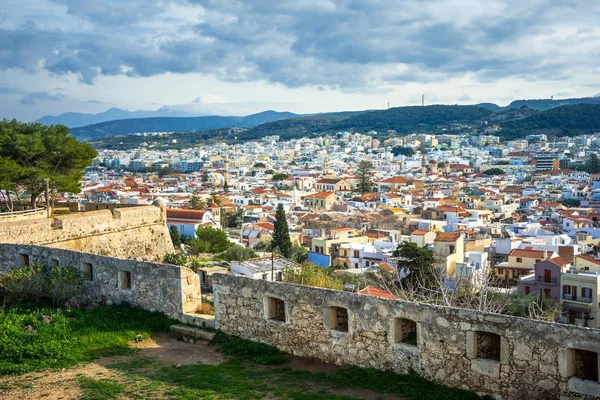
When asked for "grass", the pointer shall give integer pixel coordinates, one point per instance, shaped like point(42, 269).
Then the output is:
point(28, 344)
point(102, 389)
point(258, 353)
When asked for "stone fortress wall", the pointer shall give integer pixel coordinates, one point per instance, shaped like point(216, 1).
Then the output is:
point(170, 289)
point(509, 357)
point(136, 233)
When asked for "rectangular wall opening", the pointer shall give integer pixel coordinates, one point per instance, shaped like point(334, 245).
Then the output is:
point(23, 260)
point(125, 279)
point(54, 262)
point(488, 346)
point(338, 319)
point(275, 309)
point(585, 365)
point(88, 271)
point(405, 331)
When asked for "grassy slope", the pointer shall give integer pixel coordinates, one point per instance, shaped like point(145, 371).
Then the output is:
point(27, 343)
point(253, 370)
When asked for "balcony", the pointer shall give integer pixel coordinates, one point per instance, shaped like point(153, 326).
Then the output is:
point(545, 279)
point(570, 297)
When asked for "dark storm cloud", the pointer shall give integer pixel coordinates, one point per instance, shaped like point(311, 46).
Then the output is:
point(345, 43)
point(39, 97)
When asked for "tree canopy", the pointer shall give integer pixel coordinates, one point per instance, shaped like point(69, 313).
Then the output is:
point(494, 171)
point(418, 263)
point(281, 235)
point(405, 151)
point(364, 176)
point(209, 240)
point(32, 152)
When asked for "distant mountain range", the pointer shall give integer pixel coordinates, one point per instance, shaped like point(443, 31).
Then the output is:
point(570, 120)
point(174, 124)
point(74, 119)
point(116, 122)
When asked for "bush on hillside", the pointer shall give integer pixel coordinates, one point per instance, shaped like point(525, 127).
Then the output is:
point(38, 283)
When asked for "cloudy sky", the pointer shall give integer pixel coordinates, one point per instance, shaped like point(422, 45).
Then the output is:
point(238, 57)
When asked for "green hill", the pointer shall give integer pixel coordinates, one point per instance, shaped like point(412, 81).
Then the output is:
point(570, 120)
point(411, 119)
point(173, 124)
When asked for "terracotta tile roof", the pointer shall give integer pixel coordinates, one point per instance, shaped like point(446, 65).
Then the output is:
point(192, 215)
point(590, 259)
point(419, 233)
point(395, 179)
point(320, 195)
point(265, 225)
point(376, 292)
point(447, 236)
point(529, 253)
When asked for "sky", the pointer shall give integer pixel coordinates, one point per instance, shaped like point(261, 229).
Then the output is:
point(233, 57)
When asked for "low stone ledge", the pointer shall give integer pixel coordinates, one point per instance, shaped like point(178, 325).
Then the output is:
point(199, 320)
point(191, 332)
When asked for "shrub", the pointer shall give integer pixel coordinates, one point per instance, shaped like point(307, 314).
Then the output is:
point(24, 285)
point(238, 253)
point(175, 258)
point(37, 283)
point(312, 275)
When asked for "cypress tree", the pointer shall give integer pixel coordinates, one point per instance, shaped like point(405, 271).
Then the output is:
point(281, 234)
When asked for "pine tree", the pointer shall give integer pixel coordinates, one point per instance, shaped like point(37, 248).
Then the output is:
point(225, 187)
point(592, 164)
point(175, 236)
point(364, 176)
point(281, 235)
point(196, 203)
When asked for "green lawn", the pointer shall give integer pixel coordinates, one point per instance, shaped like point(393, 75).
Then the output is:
point(252, 370)
point(27, 343)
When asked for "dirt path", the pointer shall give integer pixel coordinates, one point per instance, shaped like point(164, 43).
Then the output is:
point(63, 384)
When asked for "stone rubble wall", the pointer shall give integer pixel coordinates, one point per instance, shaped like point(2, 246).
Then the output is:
point(170, 289)
point(136, 233)
point(534, 361)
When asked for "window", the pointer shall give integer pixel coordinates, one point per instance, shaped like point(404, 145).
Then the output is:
point(125, 279)
point(264, 276)
point(519, 259)
point(586, 292)
point(279, 276)
point(23, 260)
point(584, 365)
point(488, 345)
point(527, 290)
point(356, 254)
point(567, 289)
point(275, 309)
point(451, 249)
point(404, 331)
point(338, 319)
point(88, 271)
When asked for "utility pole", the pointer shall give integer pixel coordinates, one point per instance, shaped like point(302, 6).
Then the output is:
point(47, 197)
point(272, 264)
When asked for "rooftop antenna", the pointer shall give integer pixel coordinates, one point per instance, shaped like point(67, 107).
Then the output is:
point(422, 100)
point(388, 105)
point(552, 97)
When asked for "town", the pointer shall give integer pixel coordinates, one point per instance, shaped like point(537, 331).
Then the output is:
point(521, 215)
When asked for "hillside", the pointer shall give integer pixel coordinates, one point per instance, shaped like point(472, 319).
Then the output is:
point(547, 104)
point(173, 124)
point(516, 123)
point(411, 119)
point(297, 127)
point(570, 120)
point(75, 119)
